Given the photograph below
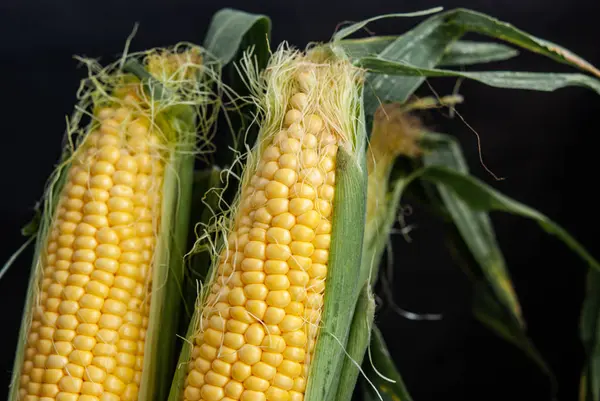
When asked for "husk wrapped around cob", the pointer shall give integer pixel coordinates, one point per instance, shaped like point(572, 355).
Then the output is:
point(103, 300)
point(274, 315)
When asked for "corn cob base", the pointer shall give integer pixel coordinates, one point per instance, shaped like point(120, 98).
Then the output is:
point(86, 340)
point(260, 321)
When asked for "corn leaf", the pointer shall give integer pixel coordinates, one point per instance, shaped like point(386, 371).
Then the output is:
point(474, 226)
point(461, 52)
point(540, 81)
point(590, 336)
point(466, 52)
point(481, 197)
point(488, 308)
point(349, 30)
point(472, 21)
point(424, 45)
point(231, 30)
point(382, 373)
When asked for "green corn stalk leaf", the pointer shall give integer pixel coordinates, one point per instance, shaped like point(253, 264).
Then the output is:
point(479, 196)
point(461, 52)
point(382, 373)
point(232, 30)
point(472, 21)
point(465, 52)
point(590, 336)
point(475, 227)
point(488, 308)
point(539, 81)
point(424, 45)
point(349, 30)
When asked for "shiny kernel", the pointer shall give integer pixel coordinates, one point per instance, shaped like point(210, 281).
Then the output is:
point(278, 235)
point(249, 395)
point(213, 337)
point(323, 207)
point(304, 249)
point(279, 299)
point(274, 315)
point(309, 159)
point(234, 389)
point(240, 371)
point(252, 265)
point(237, 326)
point(285, 220)
point(256, 308)
point(192, 394)
point(195, 378)
point(114, 385)
point(284, 176)
point(324, 227)
point(278, 206)
point(276, 267)
point(237, 297)
point(303, 190)
point(298, 206)
point(253, 277)
point(101, 181)
point(273, 343)
point(288, 161)
point(255, 383)
point(70, 384)
point(275, 393)
point(208, 352)
point(320, 256)
point(290, 146)
point(292, 116)
point(249, 354)
point(274, 190)
point(256, 250)
point(291, 323)
point(278, 252)
point(295, 308)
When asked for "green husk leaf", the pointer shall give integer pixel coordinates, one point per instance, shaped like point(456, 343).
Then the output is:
point(231, 31)
point(465, 52)
point(358, 341)
point(539, 81)
point(590, 336)
point(480, 197)
point(424, 45)
point(349, 30)
point(461, 52)
point(343, 274)
point(473, 21)
point(382, 364)
point(474, 226)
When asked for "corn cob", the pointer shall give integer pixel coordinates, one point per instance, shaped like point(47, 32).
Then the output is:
point(103, 253)
point(260, 318)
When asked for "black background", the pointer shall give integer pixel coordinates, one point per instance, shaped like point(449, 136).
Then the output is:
point(544, 144)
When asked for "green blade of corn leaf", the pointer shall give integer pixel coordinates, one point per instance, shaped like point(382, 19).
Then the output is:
point(539, 81)
point(382, 373)
point(343, 273)
point(590, 337)
point(461, 52)
point(489, 309)
point(475, 227)
point(349, 30)
point(231, 30)
point(473, 21)
point(481, 197)
point(424, 46)
point(466, 52)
